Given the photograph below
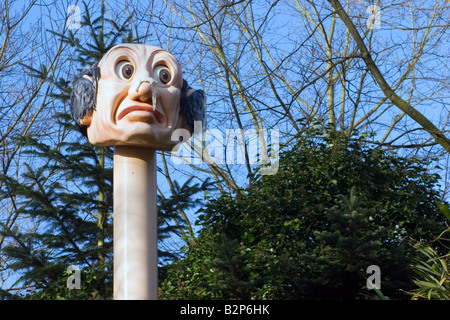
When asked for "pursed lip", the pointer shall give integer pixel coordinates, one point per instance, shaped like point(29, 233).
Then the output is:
point(141, 107)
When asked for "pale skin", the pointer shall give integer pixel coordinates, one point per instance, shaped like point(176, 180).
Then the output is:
point(138, 99)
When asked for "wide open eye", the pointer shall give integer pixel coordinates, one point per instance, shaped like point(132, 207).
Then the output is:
point(124, 70)
point(162, 74)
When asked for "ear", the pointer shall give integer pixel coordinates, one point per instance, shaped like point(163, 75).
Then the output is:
point(83, 98)
point(192, 105)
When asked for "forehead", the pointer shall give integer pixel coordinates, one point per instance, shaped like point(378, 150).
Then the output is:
point(135, 51)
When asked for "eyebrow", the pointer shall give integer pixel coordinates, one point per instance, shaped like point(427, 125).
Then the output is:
point(150, 57)
point(111, 51)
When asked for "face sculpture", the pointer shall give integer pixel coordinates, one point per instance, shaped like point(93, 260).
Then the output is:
point(136, 96)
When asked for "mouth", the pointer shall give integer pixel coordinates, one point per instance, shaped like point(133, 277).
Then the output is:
point(141, 110)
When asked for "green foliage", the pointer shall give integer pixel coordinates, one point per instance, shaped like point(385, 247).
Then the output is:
point(59, 192)
point(433, 282)
point(432, 269)
point(335, 207)
point(170, 220)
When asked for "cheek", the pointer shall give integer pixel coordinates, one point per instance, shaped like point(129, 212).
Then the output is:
point(110, 93)
point(170, 99)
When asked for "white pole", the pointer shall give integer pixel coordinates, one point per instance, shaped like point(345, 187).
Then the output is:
point(135, 224)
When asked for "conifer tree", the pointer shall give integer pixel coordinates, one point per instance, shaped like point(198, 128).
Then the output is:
point(67, 193)
point(335, 207)
point(61, 196)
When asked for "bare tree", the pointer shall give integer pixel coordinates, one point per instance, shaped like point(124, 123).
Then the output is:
point(30, 59)
point(269, 65)
point(433, 28)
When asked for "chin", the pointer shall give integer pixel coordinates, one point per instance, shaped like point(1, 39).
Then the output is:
point(142, 134)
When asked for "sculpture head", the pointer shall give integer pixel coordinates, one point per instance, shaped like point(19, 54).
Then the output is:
point(135, 96)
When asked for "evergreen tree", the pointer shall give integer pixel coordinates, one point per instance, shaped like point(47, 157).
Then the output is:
point(335, 207)
point(347, 246)
point(61, 195)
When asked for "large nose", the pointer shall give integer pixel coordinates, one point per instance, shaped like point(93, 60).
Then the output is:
point(142, 90)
